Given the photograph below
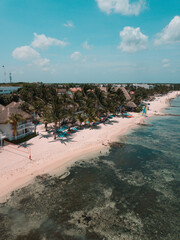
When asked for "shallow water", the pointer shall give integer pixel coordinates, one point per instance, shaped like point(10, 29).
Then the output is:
point(131, 194)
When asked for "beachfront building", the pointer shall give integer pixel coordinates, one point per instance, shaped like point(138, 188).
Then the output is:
point(131, 106)
point(24, 128)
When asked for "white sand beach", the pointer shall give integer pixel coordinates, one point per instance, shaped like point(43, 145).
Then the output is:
point(51, 156)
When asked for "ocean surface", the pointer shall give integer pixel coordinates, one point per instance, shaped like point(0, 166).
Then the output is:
point(132, 193)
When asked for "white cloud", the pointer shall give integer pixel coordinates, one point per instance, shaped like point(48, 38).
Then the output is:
point(25, 53)
point(41, 41)
point(165, 60)
point(86, 45)
point(76, 56)
point(123, 7)
point(170, 34)
point(68, 24)
point(133, 40)
point(42, 62)
point(165, 63)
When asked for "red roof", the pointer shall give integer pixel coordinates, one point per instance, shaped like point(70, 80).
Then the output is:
point(75, 89)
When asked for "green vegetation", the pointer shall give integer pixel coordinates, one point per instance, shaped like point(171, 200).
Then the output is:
point(85, 105)
point(8, 98)
point(141, 94)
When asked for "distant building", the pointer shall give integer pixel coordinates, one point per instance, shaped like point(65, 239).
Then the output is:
point(75, 89)
point(61, 91)
point(8, 90)
point(143, 85)
point(24, 128)
point(103, 89)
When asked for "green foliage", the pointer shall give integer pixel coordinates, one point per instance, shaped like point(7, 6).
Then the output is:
point(33, 91)
point(139, 109)
point(88, 104)
point(176, 87)
point(5, 99)
point(26, 107)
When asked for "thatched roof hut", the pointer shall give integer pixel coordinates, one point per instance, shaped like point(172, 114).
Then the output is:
point(12, 108)
point(131, 105)
point(1, 107)
point(125, 92)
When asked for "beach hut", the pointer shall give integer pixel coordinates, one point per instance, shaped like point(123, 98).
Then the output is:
point(131, 106)
point(2, 107)
point(125, 92)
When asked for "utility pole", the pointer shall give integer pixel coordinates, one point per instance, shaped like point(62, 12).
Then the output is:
point(4, 73)
point(10, 77)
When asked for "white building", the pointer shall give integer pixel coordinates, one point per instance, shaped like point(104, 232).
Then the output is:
point(143, 85)
point(24, 128)
point(8, 90)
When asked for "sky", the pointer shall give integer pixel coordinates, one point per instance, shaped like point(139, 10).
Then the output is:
point(90, 41)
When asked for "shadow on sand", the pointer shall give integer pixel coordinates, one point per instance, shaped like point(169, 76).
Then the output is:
point(25, 144)
point(64, 140)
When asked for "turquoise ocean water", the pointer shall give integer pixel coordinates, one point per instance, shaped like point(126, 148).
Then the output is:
point(132, 193)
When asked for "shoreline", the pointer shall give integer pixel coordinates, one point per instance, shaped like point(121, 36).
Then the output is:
point(49, 156)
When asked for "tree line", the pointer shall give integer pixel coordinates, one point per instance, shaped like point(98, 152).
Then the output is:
point(87, 105)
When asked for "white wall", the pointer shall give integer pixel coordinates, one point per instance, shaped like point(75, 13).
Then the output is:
point(7, 130)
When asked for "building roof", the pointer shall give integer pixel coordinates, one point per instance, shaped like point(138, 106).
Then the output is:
point(126, 94)
point(14, 104)
point(75, 89)
point(12, 108)
point(61, 90)
point(131, 105)
point(104, 89)
point(1, 107)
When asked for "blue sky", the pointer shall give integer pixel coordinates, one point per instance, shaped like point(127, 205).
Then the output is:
point(90, 40)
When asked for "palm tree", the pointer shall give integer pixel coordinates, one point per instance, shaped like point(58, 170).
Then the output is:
point(80, 117)
point(56, 113)
point(79, 100)
point(14, 120)
point(46, 116)
point(26, 107)
point(38, 106)
point(92, 115)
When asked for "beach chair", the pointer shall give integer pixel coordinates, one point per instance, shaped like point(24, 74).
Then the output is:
point(61, 135)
